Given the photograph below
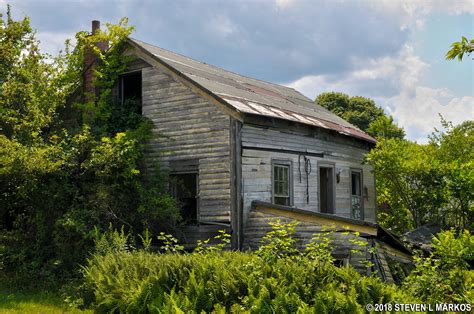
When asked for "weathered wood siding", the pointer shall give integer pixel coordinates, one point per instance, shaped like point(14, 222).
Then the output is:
point(188, 130)
point(347, 246)
point(344, 153)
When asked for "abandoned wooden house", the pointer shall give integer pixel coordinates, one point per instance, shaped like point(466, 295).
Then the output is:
point(245, 150)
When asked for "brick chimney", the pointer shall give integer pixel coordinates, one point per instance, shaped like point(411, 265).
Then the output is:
point(90, 60)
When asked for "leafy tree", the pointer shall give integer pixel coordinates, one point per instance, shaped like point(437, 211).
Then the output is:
point(460, 48)
point(409, 181)
point(455, 152)
point(61, 179)
point(384, 127)
point(357, 110)
point(417, 183)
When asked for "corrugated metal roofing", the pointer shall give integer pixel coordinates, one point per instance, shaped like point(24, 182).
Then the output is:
point(253, 96)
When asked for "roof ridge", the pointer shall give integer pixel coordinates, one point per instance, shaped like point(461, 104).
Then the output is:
point(219, 68)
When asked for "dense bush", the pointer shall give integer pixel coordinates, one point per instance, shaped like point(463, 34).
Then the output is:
point(446, 275)
point(68, 163)
point(276, 278)
point(418, 184)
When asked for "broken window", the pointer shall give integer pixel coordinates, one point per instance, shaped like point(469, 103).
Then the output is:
point(356, 194)
point(184, 188)
point(130, 91)
point(282, 183)
point(326, 189)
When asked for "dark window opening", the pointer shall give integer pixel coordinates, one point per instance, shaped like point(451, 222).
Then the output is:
point(341, 262)
point(184, 187)
point(326, 190)
point(356, 195)
point(282, 184)
point(130, 90)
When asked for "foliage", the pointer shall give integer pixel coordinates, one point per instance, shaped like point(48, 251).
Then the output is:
point(385, 127)
point(445, 276)
point(214, 281)
point(14, 302)
point(455, 152)
point(279, 242)
point(417, 184)
point(408, 180)
point(459, 48)
point(358, 110)
point(68, 164)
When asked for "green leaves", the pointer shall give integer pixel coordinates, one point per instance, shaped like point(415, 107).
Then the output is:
point(459, 48)
point(417, 183)
point(445, 276)
point(242, 282)
point(358, 110)
point(385, 127)
point(69, 163)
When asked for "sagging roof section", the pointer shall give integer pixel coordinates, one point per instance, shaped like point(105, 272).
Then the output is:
point(253, 96)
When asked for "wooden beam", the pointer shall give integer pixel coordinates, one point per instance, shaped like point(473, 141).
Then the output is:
point(317, 219)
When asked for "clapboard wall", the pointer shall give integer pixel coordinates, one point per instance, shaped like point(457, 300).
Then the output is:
point(188, 131)
point(262, 143)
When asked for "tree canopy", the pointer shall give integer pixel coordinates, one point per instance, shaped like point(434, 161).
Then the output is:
point(417, 184)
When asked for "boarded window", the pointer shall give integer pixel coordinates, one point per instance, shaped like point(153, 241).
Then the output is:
point(326, 189)
point(130, 90)
point(282, 183)
point(184, 187)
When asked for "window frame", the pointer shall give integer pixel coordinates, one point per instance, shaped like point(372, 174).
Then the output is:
point(283, 163)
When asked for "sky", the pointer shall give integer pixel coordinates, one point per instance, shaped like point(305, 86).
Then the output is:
point(388, 50)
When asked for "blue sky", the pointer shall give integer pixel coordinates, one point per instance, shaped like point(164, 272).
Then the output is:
point(391, 51)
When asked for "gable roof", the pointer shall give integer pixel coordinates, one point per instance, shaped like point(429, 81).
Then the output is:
point(252, 96)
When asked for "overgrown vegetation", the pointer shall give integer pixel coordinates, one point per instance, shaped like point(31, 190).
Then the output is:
point(276, 278)
point(68, 164)
point(446, 275)
point(72, 174)
point(417, 184)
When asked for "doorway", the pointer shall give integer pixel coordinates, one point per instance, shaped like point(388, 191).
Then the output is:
point(357, 210)
point(184, 188)
point(326, 189)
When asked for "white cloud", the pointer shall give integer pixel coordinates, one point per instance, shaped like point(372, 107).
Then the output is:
point(282, 4)
point(413, 13)
point(414, 106)
point(53, 42)
point(221, 26)
point(419, 113)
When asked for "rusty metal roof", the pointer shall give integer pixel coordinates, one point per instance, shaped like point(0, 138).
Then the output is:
point(253, 96)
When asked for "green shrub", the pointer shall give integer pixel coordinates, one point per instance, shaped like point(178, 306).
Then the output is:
point(445, 275)
point(210, 280)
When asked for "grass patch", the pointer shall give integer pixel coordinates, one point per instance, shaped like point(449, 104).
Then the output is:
point(33, 302)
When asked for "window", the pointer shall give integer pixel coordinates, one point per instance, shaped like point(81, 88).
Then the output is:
point(282, 184)
point(356, 195)
point(130, 90)
point(184, 188)
point(326, 189)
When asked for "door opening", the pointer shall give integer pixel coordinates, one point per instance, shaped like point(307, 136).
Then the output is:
point(326, 190)
point(184, 187)
point(356, 195)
